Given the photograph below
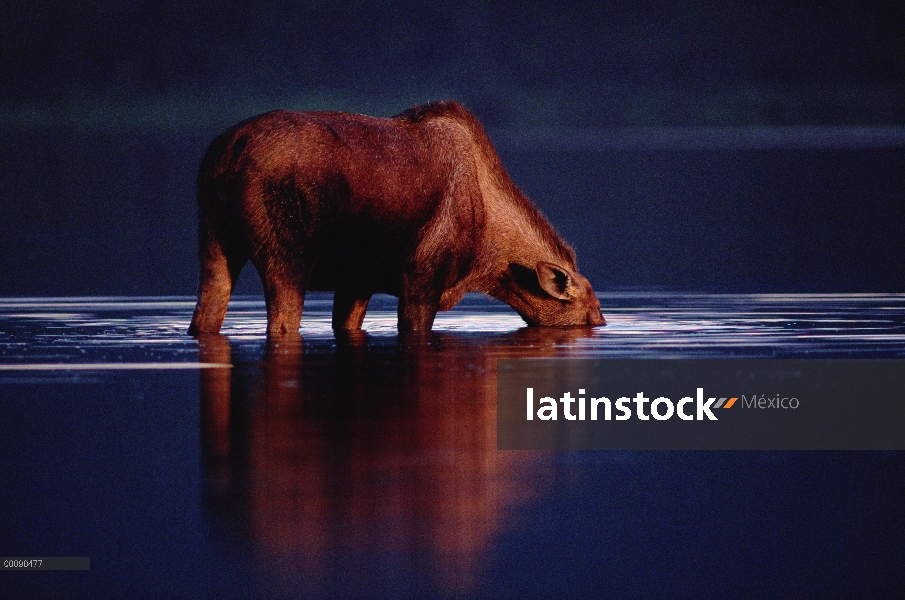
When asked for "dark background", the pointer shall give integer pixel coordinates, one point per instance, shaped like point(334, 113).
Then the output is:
point(106, 108)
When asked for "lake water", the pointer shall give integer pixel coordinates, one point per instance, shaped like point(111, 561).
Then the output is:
point(234, 467)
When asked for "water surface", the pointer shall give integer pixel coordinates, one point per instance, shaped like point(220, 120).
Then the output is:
point(367, 466)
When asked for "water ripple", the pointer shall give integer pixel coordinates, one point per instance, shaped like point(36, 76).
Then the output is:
point(43, 330)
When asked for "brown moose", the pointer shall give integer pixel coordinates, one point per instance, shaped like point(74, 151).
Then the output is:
point(418, 206)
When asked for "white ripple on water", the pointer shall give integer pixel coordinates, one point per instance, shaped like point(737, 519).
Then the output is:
point(638, 325)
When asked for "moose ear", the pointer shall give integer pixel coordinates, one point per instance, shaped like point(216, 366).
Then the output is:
point(555, 280)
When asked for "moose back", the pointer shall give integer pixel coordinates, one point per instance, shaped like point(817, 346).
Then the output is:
point(418, 206)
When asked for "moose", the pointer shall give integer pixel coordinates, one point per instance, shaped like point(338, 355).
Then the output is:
point(418, 206)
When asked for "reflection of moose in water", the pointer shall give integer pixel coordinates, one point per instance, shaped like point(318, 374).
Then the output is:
point(374, 458)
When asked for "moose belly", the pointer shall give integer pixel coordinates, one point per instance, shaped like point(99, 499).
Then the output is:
point(361, 262)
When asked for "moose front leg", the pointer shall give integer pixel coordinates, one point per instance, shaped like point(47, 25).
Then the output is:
point(416, 316)
point(349, 310)
point(417, 309)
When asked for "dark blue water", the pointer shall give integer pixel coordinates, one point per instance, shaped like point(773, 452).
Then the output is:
point(234, 467)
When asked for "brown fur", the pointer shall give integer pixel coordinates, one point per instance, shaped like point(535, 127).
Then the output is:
point(418, 206)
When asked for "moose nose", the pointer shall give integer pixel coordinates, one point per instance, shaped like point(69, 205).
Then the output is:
point(595, 318)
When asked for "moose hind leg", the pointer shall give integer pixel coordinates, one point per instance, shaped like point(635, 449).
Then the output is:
point(285, 302)
point(284, 293)
point(349, 310)
point(219, 272)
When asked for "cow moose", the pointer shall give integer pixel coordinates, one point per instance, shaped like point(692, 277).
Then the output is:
point(418, 206)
